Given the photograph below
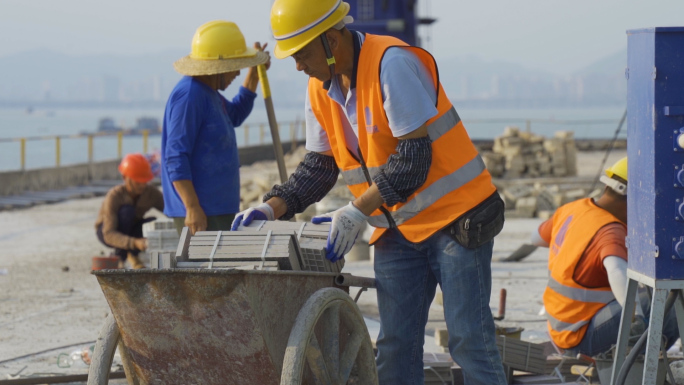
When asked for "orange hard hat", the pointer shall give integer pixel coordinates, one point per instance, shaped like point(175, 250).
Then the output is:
point(136, 167)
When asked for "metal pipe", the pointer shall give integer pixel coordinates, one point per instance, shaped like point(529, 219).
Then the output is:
point(145, 135)
point(502, 305)
point(119, 140)
point(272, 123)
point(90, 149)
point(58, 151)
point(22, 151)
point(350, 280)
point(70, 378)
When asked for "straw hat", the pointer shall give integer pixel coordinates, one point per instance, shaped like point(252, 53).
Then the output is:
point(218, 47)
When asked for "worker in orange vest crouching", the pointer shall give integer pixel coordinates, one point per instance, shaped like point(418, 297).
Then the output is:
point(377, 114)
point(119, 223)
point(588, 270)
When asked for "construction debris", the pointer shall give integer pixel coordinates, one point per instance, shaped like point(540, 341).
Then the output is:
point(518, 154)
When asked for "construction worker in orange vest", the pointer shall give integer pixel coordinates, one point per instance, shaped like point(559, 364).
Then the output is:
point(119, 223)
point(377, 114)
point(588, 270)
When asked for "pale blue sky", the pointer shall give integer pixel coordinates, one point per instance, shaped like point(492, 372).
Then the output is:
point(560, 36)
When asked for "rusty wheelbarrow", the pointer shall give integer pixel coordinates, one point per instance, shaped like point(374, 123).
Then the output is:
point(212, 326)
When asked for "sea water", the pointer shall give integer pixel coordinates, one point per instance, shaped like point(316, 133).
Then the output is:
point(40, 126)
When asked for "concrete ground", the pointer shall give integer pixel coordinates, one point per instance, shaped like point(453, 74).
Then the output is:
point(51, 306)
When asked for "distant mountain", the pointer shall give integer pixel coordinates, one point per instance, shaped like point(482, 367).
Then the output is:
point(47, 77)
point(611, 65)
point(44, 76)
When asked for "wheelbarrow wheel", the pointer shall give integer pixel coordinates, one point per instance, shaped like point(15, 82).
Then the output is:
point(329, 343)
point(103, 355)
point(105, 347)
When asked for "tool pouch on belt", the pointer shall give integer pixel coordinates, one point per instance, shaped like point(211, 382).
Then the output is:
point(480, 224)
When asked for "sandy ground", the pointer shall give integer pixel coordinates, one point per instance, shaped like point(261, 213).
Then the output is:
point(50, 304)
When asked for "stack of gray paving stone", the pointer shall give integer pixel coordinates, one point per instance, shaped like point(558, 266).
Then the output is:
point(437, 369)
point(264, 245)
point(161, 237)
point(518, 154)
point(269, 250)
point(522, 355)
point(312, 241)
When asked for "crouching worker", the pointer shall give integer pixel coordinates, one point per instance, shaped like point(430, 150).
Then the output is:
point(588, 270)
point(119, 223)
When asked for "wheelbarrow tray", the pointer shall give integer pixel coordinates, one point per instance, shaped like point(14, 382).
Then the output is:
point(198, 326)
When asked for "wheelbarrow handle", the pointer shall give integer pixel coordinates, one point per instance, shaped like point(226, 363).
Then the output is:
point(350, 280)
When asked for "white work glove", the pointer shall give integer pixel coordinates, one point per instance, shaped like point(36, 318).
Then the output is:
point(263, 212)
point(346, 224)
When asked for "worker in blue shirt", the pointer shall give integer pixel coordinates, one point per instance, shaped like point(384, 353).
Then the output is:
point(200, 165)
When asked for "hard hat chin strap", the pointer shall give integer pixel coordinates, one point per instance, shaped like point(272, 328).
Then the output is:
point(616, 185)
point(328, 56)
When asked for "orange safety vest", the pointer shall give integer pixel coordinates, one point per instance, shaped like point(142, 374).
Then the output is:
point(569, 305)
point(457, 180)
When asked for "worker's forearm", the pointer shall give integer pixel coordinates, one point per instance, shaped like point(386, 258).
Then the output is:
point(279, 206)
point(369, 201)
point(252, 79)
point(187, 193)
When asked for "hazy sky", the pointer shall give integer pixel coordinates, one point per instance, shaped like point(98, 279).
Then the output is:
point(560, 36)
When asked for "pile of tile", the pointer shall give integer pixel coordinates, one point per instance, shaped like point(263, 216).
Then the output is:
point(230, 249)
point(264, 245)
point(437, 369)
point(161, 237)
point(518, 154)
point(312, 242)
point(522, 355)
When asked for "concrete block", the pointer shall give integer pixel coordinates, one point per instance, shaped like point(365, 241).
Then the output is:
point(439, 299)
point(575, 194)
point(494, 163)
point(512, 141)
point(511, 131)
point(565, 135)
point(545, 201)
point(526, 206)
point(515, 192)
point(442, 337)
point(544, 214)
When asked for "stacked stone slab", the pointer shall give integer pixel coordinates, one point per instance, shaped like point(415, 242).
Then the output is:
point(264, 245)
point(161, 237)
point(517, 154)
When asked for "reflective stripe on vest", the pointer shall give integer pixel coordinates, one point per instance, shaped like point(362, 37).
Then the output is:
point(582, 295)
point(561, 326)
point(435, 130)
point(433, 193)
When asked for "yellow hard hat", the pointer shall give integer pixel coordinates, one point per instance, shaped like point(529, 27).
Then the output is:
point(218, 47)
point(617, 170)
point(295, 23)
point(219, 39)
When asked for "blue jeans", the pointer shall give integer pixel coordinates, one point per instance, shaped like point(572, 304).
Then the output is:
point(407, 275)
point(602, 332)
